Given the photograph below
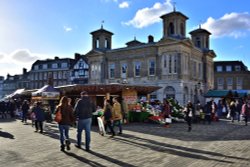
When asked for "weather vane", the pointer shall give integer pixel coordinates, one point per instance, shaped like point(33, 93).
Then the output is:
point(200, 23)
point(102, 24)
point(174, 4)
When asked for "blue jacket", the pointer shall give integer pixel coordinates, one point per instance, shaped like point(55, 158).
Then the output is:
point(39, 112)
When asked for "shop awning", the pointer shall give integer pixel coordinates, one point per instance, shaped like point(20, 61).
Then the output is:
point(107, 88)
point(224, 93)
point(15, 94)
point(47, 92)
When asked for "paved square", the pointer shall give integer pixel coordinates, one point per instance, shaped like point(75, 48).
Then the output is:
point(142, 144)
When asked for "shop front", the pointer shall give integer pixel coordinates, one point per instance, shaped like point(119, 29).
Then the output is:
point(99, 92)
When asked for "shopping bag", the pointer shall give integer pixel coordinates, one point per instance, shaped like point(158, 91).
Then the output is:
point(228, 115)
point(101, 126)
point(168, 120)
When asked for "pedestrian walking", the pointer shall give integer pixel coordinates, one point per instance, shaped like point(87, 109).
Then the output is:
point(245, 111)
point(39, 117)
point(208, 112)
point(166, 111)
point(117, 114)
point(65, 123)
point(3, 111)
point(238, 105)
point(108, 117)
point(11, 107)
point(83, 111)
point(189, 111)
point(125, 112)
point(232, 110)
point(25, 108)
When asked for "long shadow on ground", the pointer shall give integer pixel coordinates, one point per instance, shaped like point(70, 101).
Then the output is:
point(174, 149)
point(6, 135)
point(217, 131)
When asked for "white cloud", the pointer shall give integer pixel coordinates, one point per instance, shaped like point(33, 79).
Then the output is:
point(124, 4)
point(67, 29)
point(233, 25)
point(23, 55)
point(2, 55)
point(148, 16)
point(14, 62)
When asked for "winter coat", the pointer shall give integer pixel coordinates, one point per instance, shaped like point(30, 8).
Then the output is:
point(67, 115)
point(232, 109)
point(107, 112)
point(245, 110)
point(25, 107)
point(39, 112)
point(84, 108)
point(116, 111)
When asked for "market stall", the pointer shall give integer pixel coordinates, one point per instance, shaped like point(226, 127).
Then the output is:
point(130, 93)
point(49, 96)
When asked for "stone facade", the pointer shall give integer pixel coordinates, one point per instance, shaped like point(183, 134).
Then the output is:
point(231, 75)
point(183, 67)
point(57, 71)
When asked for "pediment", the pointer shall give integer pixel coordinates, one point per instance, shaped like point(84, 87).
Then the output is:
point(173, 41)
point(94, 53)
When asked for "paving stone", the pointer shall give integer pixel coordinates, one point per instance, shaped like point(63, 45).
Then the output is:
point(141, 144)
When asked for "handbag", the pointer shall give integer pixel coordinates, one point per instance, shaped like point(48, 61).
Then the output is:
point(58, 116)
point(190, 114)
point(168, 120)
point(33, 116)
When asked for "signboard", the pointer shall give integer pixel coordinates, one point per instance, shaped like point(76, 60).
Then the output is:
point(130, 99)
point(50, 95)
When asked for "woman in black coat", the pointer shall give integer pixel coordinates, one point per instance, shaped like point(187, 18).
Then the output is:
point(189, 111)
point(108, 116)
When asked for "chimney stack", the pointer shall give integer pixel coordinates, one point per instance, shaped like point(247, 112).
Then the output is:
point(24, 70)
point(150, 39)
point(77, 56)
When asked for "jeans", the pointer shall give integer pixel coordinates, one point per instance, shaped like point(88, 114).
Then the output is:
point(86, 125)
point(64, 133)
point(24, 117)
point(117, 123)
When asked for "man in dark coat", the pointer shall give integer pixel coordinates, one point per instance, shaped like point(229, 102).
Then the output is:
point(83, 111)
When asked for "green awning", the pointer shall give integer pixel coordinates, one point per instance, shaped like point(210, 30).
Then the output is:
point(216, 93)
point(223, 93)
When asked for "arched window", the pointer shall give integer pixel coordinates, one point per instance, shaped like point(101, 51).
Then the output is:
point(106, 43)
point(171, 29)
point(198, 42)
point(170, 92)
point(97, 43)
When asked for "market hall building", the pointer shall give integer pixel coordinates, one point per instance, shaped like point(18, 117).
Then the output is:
point(181, 66)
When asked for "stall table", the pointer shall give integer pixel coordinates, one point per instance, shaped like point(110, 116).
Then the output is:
point(138, 116)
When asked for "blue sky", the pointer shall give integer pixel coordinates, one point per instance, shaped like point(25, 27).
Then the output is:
point(41, 29)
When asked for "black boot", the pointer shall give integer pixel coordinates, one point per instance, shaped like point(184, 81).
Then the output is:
point(189, 128)
point(63, 147)
point(67, 144)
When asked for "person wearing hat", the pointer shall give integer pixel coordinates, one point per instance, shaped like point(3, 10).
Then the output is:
point(83, 112)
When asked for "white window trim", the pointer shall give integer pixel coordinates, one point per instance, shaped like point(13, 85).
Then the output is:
point(135, 62)
point(111, 66)
point(149, 66)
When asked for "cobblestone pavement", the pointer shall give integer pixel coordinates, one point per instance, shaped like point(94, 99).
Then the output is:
point(141, 144)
